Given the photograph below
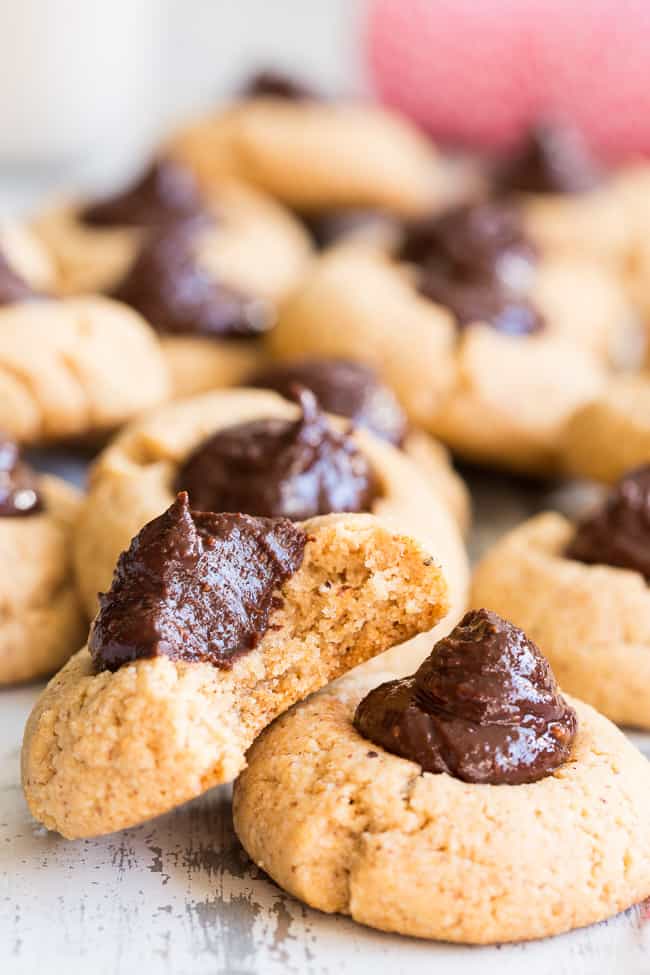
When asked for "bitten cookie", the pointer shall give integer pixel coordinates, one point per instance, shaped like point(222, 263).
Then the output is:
point(252, 451)
point(42, 620)
point(581, 592)
point(314, 155)
point(610, 434)
point(470, 802)
point(214, 625)
point(498, 392)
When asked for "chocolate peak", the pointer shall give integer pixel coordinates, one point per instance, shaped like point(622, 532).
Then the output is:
point(477, 261)
point(13, 288)
point(18, 492)
point(475, 240)
point(195, 586)
point(555, 159)
point(169, 286)
point(281, 468)
point(618, 533)
point(276, 84)
point(483, 707)
point(166, 192)
point(343, 387)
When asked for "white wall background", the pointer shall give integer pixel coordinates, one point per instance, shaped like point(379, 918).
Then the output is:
point(87, 85)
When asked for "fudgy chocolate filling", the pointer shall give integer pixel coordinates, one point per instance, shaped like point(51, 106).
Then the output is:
point(478, 262)
point(165, 193)
point(19, 495)
point(618, 533)
point(343, 387)
point(170, 287)
point(554, 159)
point(13, 288)
point(483, 707)
point(280, 468)
point(195, 586)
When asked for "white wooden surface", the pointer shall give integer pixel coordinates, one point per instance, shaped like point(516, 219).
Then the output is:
point(179, 895)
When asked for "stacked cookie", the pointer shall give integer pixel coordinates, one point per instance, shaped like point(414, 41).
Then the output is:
point(288, 321)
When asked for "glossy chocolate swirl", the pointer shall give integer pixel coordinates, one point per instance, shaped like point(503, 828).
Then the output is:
point(478, 262)
point(165, 193)
point(343, 387)
point(618, 533)
point(19, 494)
point(195, 586)
point(483, 707)
point(280, 468)
point(177, 295)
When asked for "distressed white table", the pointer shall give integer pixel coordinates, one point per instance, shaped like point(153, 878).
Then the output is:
point(179, 895)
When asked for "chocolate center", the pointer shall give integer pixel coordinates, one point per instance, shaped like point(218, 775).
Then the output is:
point(618, 534)
point(170, 287)
point(18, 492)
point(13, 288)
point(343, 387)
point(165, 193)
point(483, 707)
point(280, 468)
point(555, 159)
point(478, 262)
point(195, 586)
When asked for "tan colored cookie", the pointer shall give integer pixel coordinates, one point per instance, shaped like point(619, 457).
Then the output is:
point(198, 365)
point(313, 155)
point(592, 622)
point(351, 829)
point(255, 245)
point(105, 751)
point(589, 225)
point(26, 255)
point(584, 302)
point(74, 367)
point(42, 619)
point(610, 434)
point(512, 397)
point(434, 461)
point(490, 396)
point(358, 305)
point(132, 481)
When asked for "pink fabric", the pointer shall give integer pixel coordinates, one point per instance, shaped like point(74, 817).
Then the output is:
point(481, 71)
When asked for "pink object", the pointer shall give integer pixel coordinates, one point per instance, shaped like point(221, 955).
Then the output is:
point(480, 72)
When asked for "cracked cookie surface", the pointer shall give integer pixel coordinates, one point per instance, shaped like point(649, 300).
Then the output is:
point(349, 828)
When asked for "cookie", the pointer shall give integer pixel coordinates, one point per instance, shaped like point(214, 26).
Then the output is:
point(214, 625)
point(42, 621)
point(430, 846)
point(243, 450)
point(75, 367)
point(26, 256)
point(350, 389)
point(314, 155)
point(591, 616)
point(570, 205)
point(611, 433)
point(491, 396)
